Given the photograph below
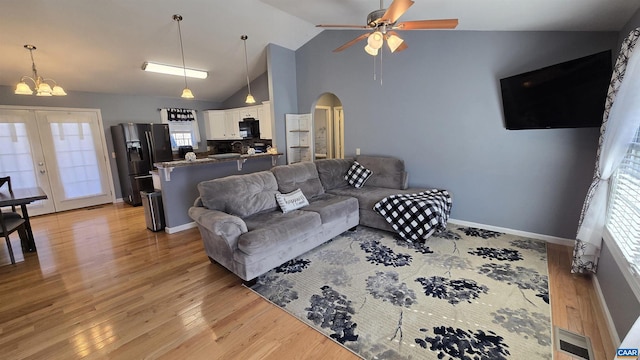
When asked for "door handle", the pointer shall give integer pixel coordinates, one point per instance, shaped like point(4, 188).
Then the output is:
point(42, 171)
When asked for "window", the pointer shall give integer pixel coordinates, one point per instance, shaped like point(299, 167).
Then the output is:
point(624, 206)
point(181, 138)
point(183, 127)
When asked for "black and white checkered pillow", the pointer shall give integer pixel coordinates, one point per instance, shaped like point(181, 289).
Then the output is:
point(357, 175)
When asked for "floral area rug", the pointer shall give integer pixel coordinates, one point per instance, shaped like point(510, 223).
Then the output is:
point(465, 293)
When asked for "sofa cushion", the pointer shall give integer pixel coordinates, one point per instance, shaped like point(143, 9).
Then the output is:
point(332, 171)
point(332, 207)
point(303, 176)
point(291, 201)
point(271, 229)
point(357, 175)
point(369, 195)
point(387, 171)
point(240, 195)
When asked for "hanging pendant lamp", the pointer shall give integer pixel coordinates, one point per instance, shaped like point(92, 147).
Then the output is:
point(250, 99)
point(186, 93)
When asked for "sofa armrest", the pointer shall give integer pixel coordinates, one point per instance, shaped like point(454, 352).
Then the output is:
point(219, 225)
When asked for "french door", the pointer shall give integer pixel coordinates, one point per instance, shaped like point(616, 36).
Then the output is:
point(62, 151)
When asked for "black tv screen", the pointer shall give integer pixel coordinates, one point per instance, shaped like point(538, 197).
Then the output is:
point(566, 95)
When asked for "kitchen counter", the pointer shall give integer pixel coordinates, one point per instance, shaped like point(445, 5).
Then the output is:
point(168, 166)
point(179, 181)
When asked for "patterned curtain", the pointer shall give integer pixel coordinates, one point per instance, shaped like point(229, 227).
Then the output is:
point(620, 118)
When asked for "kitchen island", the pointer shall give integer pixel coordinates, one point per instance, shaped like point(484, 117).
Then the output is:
point(179, 180)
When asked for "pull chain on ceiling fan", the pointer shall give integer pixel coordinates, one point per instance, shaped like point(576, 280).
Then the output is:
point(383, 22)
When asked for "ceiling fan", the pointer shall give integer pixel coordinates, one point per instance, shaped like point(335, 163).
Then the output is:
point(383, 22)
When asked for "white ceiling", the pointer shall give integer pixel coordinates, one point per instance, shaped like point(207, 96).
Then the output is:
point(99, 46)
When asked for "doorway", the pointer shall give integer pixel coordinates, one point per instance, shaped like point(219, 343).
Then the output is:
point(328, 125)
point(61, 151)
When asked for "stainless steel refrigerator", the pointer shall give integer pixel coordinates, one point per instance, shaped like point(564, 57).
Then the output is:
point(137, 148)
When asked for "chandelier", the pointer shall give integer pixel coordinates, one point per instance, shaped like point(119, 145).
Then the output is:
point(42, 85)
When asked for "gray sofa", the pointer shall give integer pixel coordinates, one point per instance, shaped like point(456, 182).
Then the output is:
point(244, 230)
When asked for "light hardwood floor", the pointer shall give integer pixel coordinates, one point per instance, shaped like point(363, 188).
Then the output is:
point(102, 286)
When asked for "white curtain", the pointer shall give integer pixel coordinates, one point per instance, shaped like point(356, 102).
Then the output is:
point(620, 121)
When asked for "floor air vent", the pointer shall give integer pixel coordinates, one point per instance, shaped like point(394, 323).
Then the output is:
point(573, 344)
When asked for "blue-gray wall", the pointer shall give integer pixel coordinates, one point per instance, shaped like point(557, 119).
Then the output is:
point(281, 66)
point(259, 90)
point(623, 305)
point(114, 109)
point(439, 108)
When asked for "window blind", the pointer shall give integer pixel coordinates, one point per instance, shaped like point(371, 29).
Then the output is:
point(624, 206)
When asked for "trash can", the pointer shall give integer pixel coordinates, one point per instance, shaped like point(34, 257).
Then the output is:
point(153, 210)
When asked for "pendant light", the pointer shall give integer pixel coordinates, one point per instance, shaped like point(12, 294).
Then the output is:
point(250, 99)
point(186, 93)
point(42, 88)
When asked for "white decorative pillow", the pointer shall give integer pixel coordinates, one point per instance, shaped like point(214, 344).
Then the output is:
point(357, 175)
point(291, 201)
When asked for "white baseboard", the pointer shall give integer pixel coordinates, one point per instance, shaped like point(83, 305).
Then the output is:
point(615, 338)
point(175, 229)
point(547, 238)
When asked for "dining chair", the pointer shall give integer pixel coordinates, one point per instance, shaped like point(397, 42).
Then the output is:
point(7, 180)
point(9, 225)
point(13, 213)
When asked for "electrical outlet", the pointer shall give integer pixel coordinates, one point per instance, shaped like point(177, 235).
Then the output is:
point(357, 151)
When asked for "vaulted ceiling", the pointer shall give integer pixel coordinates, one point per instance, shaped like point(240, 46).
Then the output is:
point(99, 46)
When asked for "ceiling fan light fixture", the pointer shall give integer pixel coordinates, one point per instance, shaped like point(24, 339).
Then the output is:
point(371, 51)
point(375, 40)
point(394, 41)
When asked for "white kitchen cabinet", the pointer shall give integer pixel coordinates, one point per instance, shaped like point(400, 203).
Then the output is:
point(248, 112)
point(266, 125)
point(232, 119)
point(214, 122)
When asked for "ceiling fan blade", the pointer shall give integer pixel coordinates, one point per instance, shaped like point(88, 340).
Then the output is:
point(361, 37)
point(343, 26)
point(395, 10)
point(427, 24)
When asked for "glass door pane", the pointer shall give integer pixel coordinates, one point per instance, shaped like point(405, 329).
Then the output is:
point(21, 156)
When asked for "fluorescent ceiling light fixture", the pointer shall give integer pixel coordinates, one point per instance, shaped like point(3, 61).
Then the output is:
point(173, 70)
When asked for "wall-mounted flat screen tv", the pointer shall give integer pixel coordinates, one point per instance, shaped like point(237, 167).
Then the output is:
point(566, 95)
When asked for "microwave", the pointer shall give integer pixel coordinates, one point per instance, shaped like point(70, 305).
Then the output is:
point(250, 128)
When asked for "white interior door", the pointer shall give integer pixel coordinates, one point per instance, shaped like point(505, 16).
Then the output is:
point(323, 132)
point(62, 151)
point(338, 132)
point(72, 142)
